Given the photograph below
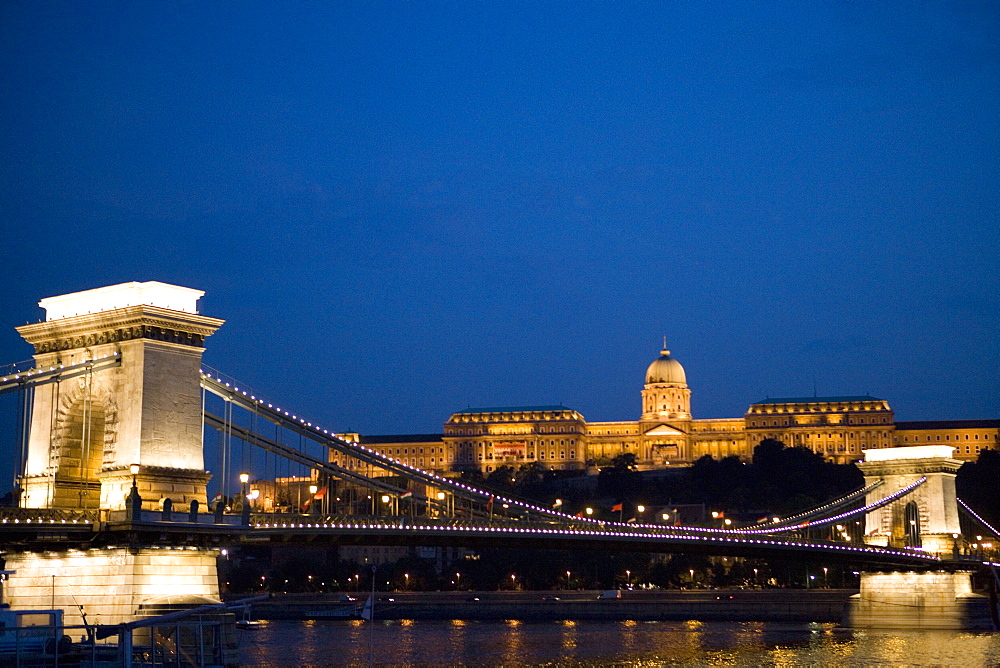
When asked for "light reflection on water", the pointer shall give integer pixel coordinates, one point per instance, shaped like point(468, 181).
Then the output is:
point(584, 643)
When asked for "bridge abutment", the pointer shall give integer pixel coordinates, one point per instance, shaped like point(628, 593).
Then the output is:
point(89, 431)
point(914, 600)
point(925, 519)
point(110, 584)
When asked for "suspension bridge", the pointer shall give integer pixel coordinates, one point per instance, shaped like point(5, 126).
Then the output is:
point(118, 414)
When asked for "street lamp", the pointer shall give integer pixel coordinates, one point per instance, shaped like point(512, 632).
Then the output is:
point(133, 502)
point(244, 479)
point(589, 511)
point(513, 579)
point(628, 577)
point(406, 581)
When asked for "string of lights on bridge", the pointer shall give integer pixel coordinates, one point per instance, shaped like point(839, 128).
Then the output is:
point(393, 462)
point(849, 514)
point(600, 533)
point(976, 515)
point(629, 528)
point(775, 522)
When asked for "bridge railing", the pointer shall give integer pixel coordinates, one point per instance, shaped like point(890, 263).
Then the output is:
point(50, 515)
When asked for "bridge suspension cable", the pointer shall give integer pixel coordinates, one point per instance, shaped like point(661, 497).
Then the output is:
point(864, 510)
point(213, 382)
point(299, 457)
point(796, 520)
point(969, 511)
point(34, 377)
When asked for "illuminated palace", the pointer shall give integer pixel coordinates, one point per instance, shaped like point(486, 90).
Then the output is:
point(557, 437)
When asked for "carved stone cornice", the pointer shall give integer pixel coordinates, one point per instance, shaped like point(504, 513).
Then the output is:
point(124, 324)
point(909, 467)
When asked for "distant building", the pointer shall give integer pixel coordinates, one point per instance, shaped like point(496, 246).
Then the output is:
point(665, 435)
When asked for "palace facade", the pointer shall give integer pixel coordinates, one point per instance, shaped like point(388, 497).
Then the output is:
point(666, 435)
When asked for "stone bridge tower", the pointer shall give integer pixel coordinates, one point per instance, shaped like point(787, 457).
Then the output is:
point(925, 519)
point(87, 431)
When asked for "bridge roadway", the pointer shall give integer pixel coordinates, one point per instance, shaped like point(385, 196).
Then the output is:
point(32, 529)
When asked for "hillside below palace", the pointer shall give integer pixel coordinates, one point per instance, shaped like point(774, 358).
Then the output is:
point(665, 435)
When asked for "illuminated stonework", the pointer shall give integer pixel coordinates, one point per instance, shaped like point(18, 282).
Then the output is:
point(110, 584)
point(913, 600)
point(86, 431)
point(928, 519)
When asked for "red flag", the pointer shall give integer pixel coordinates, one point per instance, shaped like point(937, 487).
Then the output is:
point(406, 495)
point(580, 515)
point(489, 504)
point(320, 494)
point(616, 508)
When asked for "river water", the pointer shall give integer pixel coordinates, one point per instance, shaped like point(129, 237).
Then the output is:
point(623, 643)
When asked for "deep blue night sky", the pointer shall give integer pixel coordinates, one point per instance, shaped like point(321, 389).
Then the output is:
point(403, 209)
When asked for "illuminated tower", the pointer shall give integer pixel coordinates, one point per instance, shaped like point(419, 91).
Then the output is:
point(87, 431)
point(139, 404)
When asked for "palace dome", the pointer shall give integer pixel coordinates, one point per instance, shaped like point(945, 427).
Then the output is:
point(665, 369)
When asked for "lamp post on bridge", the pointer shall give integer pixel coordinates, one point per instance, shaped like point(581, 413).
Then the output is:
point(133, 502)
point(244, 479)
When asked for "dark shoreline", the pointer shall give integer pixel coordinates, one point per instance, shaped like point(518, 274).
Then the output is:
point(738, 605)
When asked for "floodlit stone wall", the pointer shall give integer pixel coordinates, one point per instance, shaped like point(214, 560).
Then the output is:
point(918, 601)
point(110, 584)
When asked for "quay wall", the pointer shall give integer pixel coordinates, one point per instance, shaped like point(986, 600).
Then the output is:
point(826, 605)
